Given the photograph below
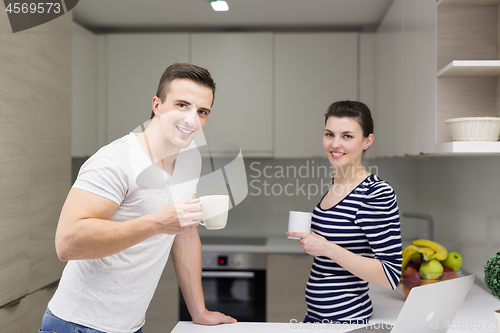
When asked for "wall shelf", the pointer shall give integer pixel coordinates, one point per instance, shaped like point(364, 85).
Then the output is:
point(471, 68)
point(453, 3)
point(468, 147)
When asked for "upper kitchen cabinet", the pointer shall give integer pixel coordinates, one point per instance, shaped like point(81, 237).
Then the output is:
point(406, 80)
point(311, 71)
point(435, 61)
point(242, 67)
point(134, 64)
point(468, 68)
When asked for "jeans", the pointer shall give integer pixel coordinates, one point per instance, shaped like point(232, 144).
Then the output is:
point(53, 324)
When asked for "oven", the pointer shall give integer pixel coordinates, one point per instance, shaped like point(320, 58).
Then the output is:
point(234, 284)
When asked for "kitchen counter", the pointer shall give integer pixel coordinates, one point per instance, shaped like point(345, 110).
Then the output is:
point(268, 245)
point(475, 315)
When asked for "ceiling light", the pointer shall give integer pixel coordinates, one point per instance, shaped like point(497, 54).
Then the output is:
point(219, 6)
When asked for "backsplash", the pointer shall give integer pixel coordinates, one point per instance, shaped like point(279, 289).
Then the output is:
point(460, 193)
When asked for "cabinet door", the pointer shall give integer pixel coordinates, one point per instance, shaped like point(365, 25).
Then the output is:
point(287, 276)
point(37, 305)
point(405, 112)
point(49, 150)
point(312, 70)
point(13, 318)
point(135, 63)
point(163, 311)
point(241, 65)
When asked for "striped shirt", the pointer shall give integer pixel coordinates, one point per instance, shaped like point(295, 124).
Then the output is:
point(365, 222)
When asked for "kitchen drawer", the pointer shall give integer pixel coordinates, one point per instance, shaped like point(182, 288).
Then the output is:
point(287, 275)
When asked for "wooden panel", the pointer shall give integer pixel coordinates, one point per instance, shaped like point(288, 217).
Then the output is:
point(163, 311)
point(13, 318)
point(466, 33)
point(4, 22)
point(498, 33)
point(463, 97)
point(287, 276)
point(312, 70)
point(49, 150)
point(37, 305)
point(498, 97)
point(15, 172)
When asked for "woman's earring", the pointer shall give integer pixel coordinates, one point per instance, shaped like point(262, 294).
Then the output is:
point(366, 148)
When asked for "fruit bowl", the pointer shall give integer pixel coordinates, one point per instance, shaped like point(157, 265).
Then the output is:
point(420, 279)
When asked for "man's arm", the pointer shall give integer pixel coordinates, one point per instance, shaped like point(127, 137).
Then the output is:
point(186, 256)
point(84, 230)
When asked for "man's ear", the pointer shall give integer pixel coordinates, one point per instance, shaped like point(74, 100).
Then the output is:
point(155, 103)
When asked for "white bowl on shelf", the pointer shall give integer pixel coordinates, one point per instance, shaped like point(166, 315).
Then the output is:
point(474, 128)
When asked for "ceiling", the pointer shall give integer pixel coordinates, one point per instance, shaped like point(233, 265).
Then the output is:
point(243, 15)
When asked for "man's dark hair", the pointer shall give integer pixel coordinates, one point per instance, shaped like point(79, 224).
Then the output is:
point(191, 72)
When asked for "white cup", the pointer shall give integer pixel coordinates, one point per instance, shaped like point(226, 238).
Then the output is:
point(299, 222)
point(214, 209)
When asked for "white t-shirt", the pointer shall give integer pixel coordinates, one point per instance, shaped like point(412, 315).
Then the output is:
point(112, 294)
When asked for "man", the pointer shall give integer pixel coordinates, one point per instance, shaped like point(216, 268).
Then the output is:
point(117, 235)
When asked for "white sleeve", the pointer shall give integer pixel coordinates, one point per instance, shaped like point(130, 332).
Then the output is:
point(105, 174)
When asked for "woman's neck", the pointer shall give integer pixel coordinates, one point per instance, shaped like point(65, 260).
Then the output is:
point(349, 174)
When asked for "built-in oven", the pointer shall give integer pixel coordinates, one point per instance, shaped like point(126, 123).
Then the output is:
point(234, 284)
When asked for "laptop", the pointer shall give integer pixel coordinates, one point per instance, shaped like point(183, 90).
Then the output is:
point(430, 308)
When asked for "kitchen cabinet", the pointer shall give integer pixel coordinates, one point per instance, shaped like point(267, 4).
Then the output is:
point(287, 275)
point(435, 61)
point(242, 67)
point(311, 71)
point(35, 100)
point(26, 314)
point(405, 86)
point(468, 69)
point(13, 318)
point(134, 65)
point(163, 312)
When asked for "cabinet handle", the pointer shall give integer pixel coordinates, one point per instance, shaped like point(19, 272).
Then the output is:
point(228, 274)
point(18, 300)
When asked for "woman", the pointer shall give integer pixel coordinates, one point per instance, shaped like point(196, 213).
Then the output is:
point(355, 233)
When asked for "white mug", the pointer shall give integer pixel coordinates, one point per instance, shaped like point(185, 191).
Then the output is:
point(214, 209)
point(299, 222)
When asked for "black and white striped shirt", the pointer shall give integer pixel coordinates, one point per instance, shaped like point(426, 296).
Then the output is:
point(365, 222)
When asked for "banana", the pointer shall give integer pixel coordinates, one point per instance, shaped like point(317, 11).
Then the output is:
point(409, 253)
point(440, 251)
point(427, 252)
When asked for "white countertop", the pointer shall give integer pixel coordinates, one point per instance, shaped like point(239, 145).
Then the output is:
point(475, 314)
point(273, 245)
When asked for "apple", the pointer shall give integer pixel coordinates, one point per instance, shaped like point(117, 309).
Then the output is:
point(431, 270)
point(410, 277)
point(415, 263)
point(453, 260)
point(448, 273)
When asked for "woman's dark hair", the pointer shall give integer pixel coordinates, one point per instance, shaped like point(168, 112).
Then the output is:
point(352, 109)
point(191, 72)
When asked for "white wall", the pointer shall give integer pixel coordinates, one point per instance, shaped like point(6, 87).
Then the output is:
point(461, 193)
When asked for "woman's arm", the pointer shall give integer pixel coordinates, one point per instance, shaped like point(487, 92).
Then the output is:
point(368, 269)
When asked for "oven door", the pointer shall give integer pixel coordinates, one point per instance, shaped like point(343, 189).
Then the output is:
point(240, 294)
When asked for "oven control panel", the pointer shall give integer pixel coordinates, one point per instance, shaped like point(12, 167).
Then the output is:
point(218, 260)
